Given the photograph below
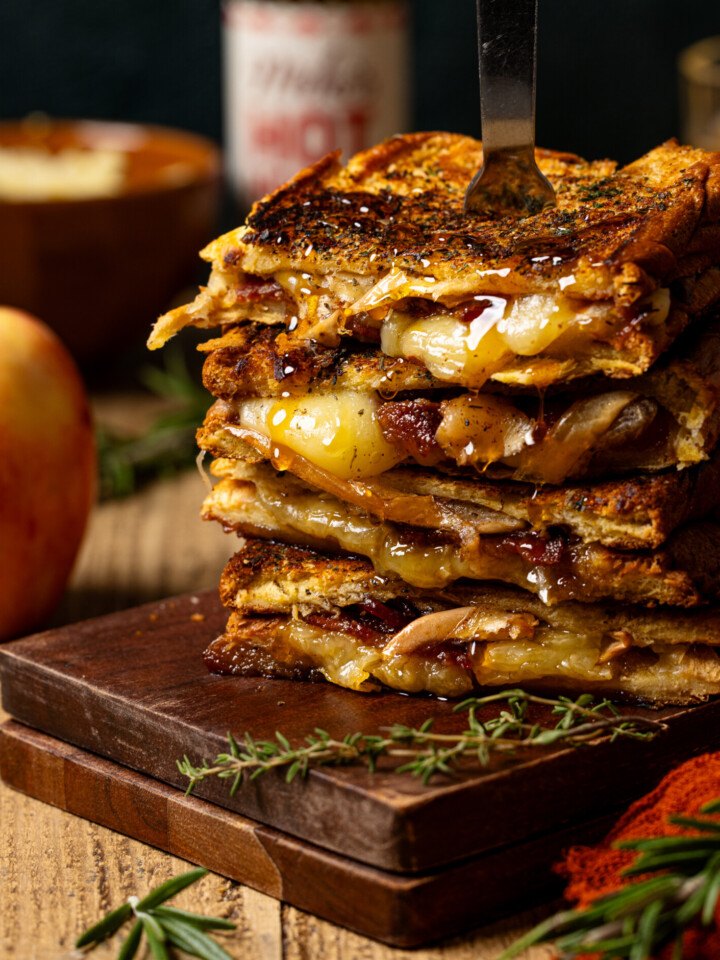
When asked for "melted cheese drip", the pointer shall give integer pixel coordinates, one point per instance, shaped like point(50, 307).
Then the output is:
point(471, 352)
point(450, 349)
point(338, 432)
point(348, 662)
point(423, 565)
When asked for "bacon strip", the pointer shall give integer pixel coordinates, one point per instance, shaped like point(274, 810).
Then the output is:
point(252, 289)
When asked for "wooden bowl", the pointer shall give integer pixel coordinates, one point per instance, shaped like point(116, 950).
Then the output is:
point(100, 270)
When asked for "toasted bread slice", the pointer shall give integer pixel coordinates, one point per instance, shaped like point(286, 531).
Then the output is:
point(266, 577)
point(581, 288)
point(449, 642)
point(553, 566)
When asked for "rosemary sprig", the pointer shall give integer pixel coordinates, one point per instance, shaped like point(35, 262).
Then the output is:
point(167, 445)
point(424, 752)
point(638, 920)
point(163, 926)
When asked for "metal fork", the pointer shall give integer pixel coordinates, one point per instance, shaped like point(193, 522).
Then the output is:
point(509, 182)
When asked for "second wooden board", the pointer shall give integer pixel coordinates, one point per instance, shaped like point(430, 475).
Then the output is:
point(403, 910)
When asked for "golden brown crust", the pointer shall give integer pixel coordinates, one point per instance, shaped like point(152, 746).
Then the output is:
point(405, 205)
point(258, 360)
point(309, 570)
point(637, 511)
point(269, 577)
point(254, 360)
point(676, 672)
point(614, 236)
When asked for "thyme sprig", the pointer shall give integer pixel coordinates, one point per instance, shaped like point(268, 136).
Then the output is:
point(164, 927)
point(638, 920)
point(424, 752)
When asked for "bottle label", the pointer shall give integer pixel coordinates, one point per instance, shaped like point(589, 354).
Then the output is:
point(302, 79)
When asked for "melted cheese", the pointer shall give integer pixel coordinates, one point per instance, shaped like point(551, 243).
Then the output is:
point(531, 324)
point(348, 287)
point(392, 553)
point(675, 673)
point(587, 571)
point(471, 352)
point(348, 662)
point(338, 432)
point(671, 674)
point(450, 349)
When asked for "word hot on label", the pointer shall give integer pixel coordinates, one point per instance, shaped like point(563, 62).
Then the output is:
point(305, 78)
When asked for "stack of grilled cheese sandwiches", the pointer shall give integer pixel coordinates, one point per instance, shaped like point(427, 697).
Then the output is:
point(466, 452)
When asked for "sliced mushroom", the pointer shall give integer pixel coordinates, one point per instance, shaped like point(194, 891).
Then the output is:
point(460, 623)
point(482, 429)
point(572, 439)
point(629, 426)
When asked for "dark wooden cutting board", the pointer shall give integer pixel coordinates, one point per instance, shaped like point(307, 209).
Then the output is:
point(132, 687)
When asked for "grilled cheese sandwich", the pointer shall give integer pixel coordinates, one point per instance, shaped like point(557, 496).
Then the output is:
point(482, 460)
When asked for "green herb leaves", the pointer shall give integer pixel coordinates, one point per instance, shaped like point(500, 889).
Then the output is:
point(635, 922)
point(167, 446)
point(422, 752)
point(164, 927)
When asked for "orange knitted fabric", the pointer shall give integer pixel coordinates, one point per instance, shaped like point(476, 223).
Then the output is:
point(595, 871)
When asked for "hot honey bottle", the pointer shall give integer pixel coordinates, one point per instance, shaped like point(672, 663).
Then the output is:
point(304, 77)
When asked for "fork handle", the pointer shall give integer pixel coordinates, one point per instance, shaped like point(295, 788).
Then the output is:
point(507, 32)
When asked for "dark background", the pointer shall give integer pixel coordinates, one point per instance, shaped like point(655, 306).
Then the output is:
point(606, 68)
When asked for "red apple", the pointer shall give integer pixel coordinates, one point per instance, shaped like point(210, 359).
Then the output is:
point(47, 470)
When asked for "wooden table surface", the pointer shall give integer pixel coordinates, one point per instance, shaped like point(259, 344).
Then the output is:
point(59, 873)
